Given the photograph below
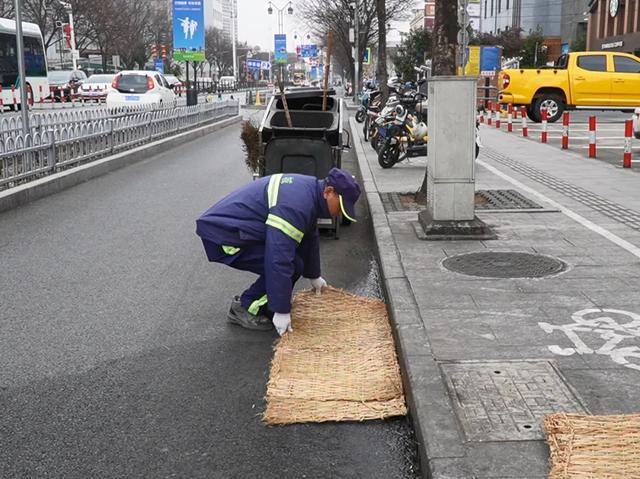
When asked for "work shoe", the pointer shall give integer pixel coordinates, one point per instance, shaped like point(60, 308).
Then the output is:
point(241, 317)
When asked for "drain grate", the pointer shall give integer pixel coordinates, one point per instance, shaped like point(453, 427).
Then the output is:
point(394, 202)
point(506, 401)
point(504, 200)
point(485, 200)
point(494, 264)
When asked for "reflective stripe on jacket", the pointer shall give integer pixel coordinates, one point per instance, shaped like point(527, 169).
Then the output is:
point(281, 211)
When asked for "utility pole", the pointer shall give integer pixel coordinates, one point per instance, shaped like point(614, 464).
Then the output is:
point(234, 6)
point(74, 52)
point(24, 101)
point(463, 35)
point(356, 28)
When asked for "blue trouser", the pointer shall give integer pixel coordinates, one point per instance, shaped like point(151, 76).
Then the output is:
point(249, 258)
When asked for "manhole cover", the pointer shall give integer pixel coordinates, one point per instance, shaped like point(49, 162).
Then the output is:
point(494, 264)
point(506, 401)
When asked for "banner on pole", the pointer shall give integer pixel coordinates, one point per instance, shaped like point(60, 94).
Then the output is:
point(188, 31)
point(159, 65)
point(366, 56)
point(281, 57)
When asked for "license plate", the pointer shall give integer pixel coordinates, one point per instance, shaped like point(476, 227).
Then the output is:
point(132, 98)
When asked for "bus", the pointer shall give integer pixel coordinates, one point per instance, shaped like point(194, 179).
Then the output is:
point(35, 63)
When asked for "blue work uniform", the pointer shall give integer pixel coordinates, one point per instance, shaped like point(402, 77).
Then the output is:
point(268, 227)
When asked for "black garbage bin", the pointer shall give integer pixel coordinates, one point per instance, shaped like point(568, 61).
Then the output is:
point(192, 96)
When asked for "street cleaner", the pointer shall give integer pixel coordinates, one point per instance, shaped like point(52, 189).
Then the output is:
point(269, 227)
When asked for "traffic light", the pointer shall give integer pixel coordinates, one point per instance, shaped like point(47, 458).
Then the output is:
point(163, 50)
point(154, 51)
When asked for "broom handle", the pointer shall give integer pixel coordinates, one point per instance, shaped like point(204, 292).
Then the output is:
point(327, 70)
point(284, 100)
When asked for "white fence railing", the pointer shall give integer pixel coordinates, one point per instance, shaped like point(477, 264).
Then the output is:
point(58, 141)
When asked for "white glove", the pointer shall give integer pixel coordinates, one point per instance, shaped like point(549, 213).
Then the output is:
point(318, 284)
point(282, 322)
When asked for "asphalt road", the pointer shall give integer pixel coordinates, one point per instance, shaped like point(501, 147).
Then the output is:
point(115, 357)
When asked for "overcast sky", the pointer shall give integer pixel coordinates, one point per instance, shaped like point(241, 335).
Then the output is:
point(256, 27)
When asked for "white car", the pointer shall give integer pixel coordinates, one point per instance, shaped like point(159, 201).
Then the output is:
point(96, 87)
point(135, 88)
point(636, 123)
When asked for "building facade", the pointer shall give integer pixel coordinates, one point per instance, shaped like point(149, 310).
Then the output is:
point(425, 16)
point(614, 25)
point(213, 14)
point(497, 16)
point(574, 24)
point(230, 18)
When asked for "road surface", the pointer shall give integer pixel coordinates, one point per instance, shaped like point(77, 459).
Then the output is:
point(116, 357)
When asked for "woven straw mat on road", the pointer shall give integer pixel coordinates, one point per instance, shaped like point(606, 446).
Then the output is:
point(338, 364)
point(593, 447)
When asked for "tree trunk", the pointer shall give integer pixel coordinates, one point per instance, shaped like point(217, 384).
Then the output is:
point(382, 49)
point(445, 39)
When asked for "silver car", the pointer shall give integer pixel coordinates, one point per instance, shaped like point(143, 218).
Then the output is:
point(96, 88)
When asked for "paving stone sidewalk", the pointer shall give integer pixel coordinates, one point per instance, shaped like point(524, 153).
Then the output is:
point(487, 358)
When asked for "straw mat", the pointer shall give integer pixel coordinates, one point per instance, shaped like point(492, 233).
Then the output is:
point(593, 447)
point(338, 364)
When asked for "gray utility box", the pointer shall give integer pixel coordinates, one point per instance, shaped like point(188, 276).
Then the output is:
point(451, 156)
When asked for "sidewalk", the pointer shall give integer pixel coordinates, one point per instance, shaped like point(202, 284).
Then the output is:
point(485, 359)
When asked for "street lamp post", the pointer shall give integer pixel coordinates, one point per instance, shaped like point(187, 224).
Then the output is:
point(21, 69)
point(280, 11)
point(74, 53)
point(356, 42)
point(234, 16)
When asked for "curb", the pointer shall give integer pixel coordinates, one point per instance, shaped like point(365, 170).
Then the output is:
point(34, 190)
point(440, 441)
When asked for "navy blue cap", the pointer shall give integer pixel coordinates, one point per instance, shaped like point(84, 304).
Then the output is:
point(348, 191)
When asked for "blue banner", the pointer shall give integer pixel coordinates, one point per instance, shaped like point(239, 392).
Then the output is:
point(254, 64)
point(309, 51)
point(280, 50)
point(159, 65)
point(188, 30)
point(490, 60)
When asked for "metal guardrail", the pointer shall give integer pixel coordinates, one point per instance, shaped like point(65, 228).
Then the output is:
point(10, 127)
point(55, 148)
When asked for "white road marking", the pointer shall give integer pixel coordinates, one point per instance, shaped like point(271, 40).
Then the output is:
point(607, 328)
point(624, 244)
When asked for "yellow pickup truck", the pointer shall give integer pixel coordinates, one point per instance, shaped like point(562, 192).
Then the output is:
point(580, 80)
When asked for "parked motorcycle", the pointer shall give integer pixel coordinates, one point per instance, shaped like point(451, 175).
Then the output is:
point(407, 138)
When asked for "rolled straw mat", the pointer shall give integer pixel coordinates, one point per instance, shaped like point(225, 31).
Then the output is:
point(593, 447)
point(338, 364)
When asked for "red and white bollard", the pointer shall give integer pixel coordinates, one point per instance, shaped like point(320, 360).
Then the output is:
point(544, 134)
point(525, 127)
point(510, 118)
point(565, 130)
point(481, 117)
point(490, 115)
point(592, 137)
point(628, 134)
point(498, 112)
point(41, 92)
